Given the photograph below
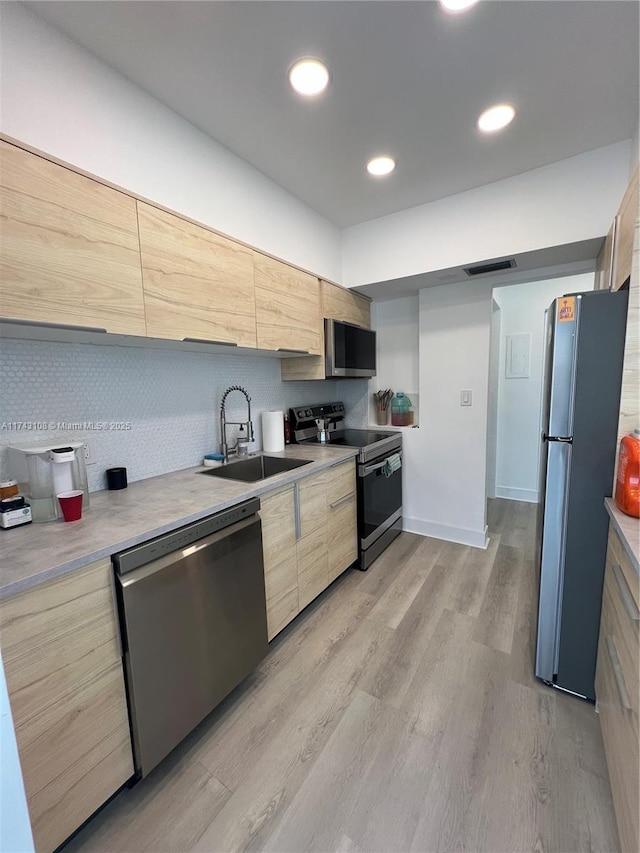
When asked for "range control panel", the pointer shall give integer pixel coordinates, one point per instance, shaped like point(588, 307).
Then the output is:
point(319, 410)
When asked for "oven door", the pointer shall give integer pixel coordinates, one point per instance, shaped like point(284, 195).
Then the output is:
point(379, 508)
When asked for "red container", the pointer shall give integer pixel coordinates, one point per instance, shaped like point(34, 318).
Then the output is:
point(628, 477)
point(71, 504)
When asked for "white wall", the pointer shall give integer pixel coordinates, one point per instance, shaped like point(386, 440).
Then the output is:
point(492, 400)
point(59, 98)
point(519, 400)
point(445, 495)
point(572, 200)
point(397, 338)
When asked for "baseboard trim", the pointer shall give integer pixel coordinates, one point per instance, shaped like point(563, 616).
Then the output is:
point(512, 494)
point(474, 538)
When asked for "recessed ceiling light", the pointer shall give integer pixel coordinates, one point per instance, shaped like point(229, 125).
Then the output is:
point(458, 5)
point(496, 117)
point(380, 166)
point(309, 76)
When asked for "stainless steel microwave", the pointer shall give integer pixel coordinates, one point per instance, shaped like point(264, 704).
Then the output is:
point(349, 350)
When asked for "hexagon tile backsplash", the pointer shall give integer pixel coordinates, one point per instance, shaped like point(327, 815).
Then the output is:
point(161, 408)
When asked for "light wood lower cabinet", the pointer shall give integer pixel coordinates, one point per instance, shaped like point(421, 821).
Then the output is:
point(66, 688)
point(617, 687)
point(278, 516)
point(70, 252)
point(197, 284)
point(309, 537)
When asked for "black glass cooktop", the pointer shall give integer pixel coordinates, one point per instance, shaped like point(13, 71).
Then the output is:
point(357, 437)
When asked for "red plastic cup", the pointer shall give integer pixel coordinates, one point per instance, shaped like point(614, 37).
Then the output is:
point(71, 504)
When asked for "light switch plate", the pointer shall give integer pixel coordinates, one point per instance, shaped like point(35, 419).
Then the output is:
point(466, 397)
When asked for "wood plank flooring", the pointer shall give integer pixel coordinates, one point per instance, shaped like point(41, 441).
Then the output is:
point(398, 713)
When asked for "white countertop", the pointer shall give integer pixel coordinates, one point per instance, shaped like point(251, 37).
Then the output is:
point(116, 520)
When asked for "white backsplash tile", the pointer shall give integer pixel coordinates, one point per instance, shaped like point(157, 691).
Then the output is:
point(170, 399)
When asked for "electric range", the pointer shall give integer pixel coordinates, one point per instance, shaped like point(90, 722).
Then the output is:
point(379, 490)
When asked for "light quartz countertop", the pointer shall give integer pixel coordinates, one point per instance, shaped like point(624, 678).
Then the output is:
point(628, 529)
point(116, 520)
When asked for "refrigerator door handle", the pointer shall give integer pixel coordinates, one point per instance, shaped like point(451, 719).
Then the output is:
point(552, 559)
point(567, 439)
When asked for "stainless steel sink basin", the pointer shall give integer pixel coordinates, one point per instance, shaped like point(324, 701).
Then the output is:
point(255, 468)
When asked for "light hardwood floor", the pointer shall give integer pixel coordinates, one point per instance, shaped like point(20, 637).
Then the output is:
point(399, 712)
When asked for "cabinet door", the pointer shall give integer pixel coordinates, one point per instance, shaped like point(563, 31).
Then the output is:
point(625, 230)
point(338, 303)
point(197, 284)
point(67, 694)
point(313, 503)
point(287, 307)
point(280, 560)
point(604, 263)
point(342, 530)
point(617, 689)
point(70, 250)
point(313, 575)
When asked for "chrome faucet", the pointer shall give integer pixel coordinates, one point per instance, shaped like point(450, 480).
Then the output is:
point(224, 450)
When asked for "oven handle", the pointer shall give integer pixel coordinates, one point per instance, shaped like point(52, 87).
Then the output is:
point(369, 469)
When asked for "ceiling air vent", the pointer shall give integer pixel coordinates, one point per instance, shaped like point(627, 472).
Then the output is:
point(494, 266)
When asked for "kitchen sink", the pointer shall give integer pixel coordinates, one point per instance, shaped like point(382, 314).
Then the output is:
point(256, 468)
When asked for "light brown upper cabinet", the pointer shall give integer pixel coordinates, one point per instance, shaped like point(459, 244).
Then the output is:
point(287, 307)
point(70, 250)
point(604, 261)
point(341, 304)
point(625, 229)
point(338, 303)
point(197, 284)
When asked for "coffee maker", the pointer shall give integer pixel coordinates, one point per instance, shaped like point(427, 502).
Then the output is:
point(44, 471)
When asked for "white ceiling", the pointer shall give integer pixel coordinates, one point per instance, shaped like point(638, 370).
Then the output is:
point(407, 79)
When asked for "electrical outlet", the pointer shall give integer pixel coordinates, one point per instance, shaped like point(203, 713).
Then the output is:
point(87, 453)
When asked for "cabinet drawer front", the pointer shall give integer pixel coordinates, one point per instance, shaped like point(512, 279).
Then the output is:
point(70, 251)
point(341, 481)
point(616, 555)
point(342, 534)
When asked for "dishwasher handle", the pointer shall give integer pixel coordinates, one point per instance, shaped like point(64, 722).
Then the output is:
point(143, 572)
point(178, 540)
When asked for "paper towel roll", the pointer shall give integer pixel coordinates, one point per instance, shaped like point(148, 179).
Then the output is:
point(273, 431)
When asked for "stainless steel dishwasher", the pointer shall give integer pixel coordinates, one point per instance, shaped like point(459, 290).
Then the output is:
point(194, 624)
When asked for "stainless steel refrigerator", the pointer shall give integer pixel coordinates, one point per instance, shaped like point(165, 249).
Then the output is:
point(584, 347)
